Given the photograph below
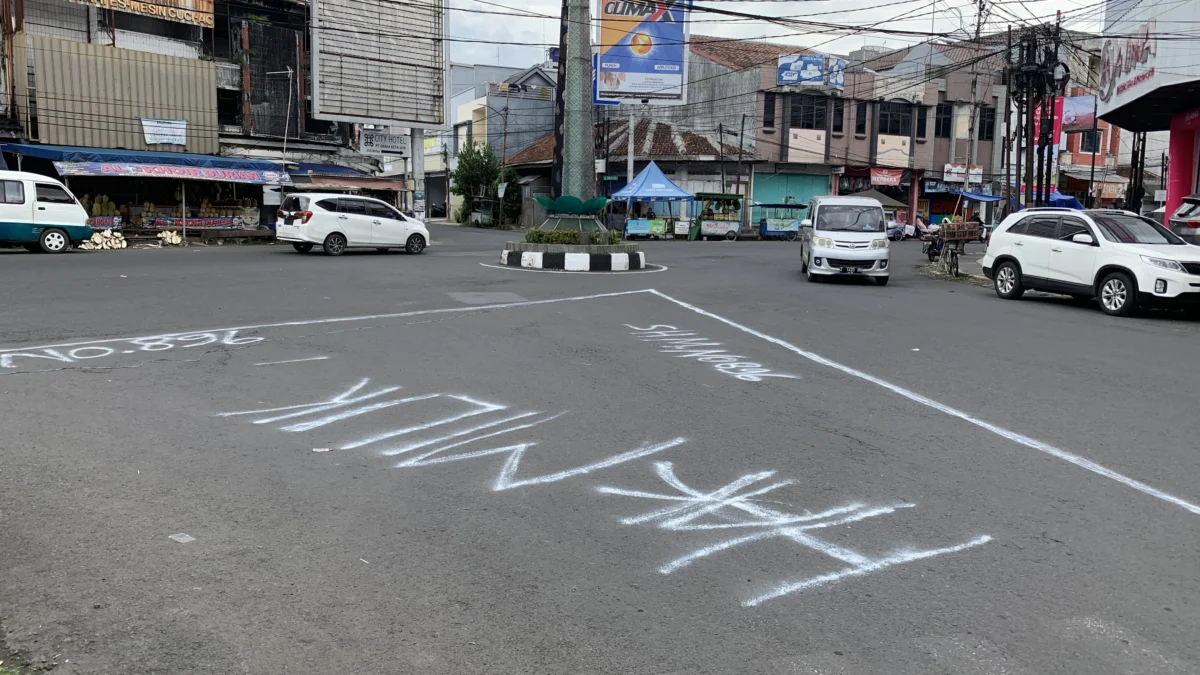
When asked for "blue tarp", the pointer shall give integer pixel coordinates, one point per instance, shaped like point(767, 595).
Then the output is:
point(981, 198)
point(652, 185)
point(304, 169)
point(1060, 200)
point(70, 153)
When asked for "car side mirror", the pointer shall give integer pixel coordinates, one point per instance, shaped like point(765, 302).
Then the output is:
point(1083, 239)
point(807, 222)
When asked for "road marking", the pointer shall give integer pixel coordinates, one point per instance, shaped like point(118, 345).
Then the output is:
point(338, 319)
point(277, 363)
point(1013, 436)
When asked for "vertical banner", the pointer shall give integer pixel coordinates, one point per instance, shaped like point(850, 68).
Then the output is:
point(643, 51)
point(1055, 136)
point(837, 73)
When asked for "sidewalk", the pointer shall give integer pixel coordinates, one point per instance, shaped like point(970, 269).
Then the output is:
point(969, 263)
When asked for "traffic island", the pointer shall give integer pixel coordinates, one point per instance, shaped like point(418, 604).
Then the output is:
point(574, 257)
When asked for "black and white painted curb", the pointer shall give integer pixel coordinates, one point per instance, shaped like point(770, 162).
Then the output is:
point(575, 262)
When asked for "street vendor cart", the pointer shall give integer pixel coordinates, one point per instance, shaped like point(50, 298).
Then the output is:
point(778, 221)
point(651, 203)
point(720, 216)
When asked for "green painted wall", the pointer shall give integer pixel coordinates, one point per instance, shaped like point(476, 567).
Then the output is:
point(776, 188)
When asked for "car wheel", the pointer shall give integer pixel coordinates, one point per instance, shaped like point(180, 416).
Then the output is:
point(730, 236)
point(881, 281)
point(54, 241)
point(1118, 294)
point(383, 250)
point(803, 262)
point(335, 244)
point(415, 245)
point(304, 247)
point(790, 236)
point(1007, 281)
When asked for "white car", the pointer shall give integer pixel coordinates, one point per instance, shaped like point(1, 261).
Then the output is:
point(845, 236)
point(1123, 259)
point(336, 222)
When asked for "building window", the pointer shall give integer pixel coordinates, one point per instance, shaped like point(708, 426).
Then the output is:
point(860, 118)
point(839, 114)
point(895, 119)
point(1089, 142)
point(769, 111)
point(944, 117)
point(809, 112)
point(922, 121)
point(987, 124)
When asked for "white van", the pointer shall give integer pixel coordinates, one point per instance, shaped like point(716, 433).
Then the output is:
point(39, 213)
point(845, 236)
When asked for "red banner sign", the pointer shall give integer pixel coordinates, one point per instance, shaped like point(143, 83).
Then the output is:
point(886, 176)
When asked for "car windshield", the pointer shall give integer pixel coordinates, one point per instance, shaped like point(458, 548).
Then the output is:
point(842, 218)
point(1126, 229)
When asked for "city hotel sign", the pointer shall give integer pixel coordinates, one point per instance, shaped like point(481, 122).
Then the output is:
point(195, 12)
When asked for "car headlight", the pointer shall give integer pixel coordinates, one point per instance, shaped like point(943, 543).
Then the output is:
point(879, 243)
point(822, 242)
point(1162, 263)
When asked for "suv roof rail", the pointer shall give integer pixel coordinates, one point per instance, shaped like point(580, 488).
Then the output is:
point(1048, 208)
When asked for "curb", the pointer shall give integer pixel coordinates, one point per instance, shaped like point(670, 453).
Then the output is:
point(574, 262)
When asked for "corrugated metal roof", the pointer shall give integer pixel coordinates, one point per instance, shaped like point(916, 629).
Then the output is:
point(735, 53)
point(653, 140)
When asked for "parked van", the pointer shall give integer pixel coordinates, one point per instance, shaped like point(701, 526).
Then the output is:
point(39, 213)
point(845, 236)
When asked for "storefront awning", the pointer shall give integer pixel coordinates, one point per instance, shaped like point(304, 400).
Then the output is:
point(304, 168)
point(339, 183)
point(130, 170)
point(1101, 176)
point(70, 153)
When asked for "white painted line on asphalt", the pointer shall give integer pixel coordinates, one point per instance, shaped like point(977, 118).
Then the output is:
point(338, 319)
point(277, 363)
point(1028, 442)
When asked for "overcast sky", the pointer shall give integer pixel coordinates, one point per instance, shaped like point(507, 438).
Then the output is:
point(531, 35)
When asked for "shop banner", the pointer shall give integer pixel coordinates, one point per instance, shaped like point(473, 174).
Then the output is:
point(782, 224)
point(226, 223)
point(837, 73)
point(959, 173)
point(1078, 113)
point(195, 12)
point(886, 176)
point(165, 132)
point(253, 176)
point(643, 226)
point(643, 51)
point(801, 69)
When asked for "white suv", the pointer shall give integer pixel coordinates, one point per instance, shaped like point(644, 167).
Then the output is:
point(337, 222)
point(1124, 260)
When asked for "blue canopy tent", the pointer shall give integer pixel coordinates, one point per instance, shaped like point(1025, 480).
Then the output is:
point(650, 186)
point(1056, 199)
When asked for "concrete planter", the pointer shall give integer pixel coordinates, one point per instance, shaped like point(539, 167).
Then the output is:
point(573, 258)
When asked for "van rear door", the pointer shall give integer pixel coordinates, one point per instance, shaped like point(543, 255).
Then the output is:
point(16, 213)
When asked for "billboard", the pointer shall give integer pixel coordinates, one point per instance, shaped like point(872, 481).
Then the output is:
point(195, 12)
point(1079, 113)
point(643, 51)
point(367, 67)
point(837, 73)
point(801, 69)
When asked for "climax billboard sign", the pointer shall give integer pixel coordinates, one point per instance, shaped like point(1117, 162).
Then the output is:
point(381, 62)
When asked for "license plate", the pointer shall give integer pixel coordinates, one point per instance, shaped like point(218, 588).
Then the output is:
point(288, 220)
point(850, 270)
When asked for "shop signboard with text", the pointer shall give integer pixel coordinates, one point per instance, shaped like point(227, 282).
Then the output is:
point(886, 177)
point(1141, 52)
point(800, 69)
point(961, 173)
point(643, 51)
point(195, 12)
point(254, 176)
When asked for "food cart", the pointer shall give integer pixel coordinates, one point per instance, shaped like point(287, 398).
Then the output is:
point(651, 208)
point(778, 221)
point(720, 216)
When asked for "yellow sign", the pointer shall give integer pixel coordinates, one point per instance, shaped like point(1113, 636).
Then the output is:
point(195, 12)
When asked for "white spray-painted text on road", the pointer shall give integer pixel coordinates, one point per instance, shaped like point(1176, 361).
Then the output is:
point(466, 429)
point(161, 343)
point(685, 344)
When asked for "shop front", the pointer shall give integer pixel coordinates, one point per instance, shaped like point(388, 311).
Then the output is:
point(1150, 82)
point(132, 190)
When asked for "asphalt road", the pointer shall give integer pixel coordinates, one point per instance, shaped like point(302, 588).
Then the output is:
point(422, 464)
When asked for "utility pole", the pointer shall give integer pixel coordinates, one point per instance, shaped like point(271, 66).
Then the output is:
point(741, 135)
point(629, 138)
point(504, 143)
point(1028, 55)
point(1006, 189)
point(1095, 133)
point(721, 150)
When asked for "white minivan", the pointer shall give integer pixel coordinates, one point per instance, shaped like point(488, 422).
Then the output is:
point(39, 213)
point(845, 236)
point(336, 222)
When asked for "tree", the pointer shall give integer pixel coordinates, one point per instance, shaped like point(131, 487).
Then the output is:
point(511, 205)
point(476, 175)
